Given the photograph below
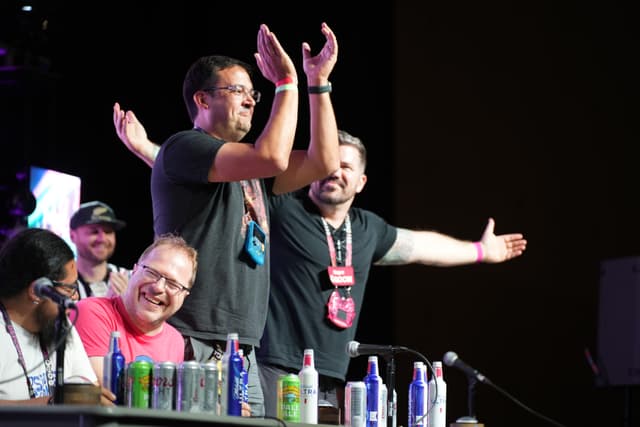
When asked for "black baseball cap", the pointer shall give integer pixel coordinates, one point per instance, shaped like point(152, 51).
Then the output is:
point(95, 213)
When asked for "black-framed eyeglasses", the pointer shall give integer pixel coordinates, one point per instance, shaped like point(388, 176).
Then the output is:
point(69, 290)
point(171, 285)
point(238, 90)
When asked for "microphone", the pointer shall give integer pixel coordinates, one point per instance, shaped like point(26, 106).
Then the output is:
point(354, 349)
point(44, 289)
point(451, 359)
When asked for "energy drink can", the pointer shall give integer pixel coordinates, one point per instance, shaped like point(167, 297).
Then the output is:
point(210, 403)
point(289, 398)
point(163, 386)
point(190, 390)
point(139, 384)
point(355, 404)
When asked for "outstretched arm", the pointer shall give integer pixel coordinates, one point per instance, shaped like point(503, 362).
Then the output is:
point(432, 248)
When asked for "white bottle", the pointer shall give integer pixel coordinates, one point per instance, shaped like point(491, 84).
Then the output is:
point(438, 415)
point(308, 389)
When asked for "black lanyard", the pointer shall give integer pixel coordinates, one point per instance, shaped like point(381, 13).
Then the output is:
point(330, 243)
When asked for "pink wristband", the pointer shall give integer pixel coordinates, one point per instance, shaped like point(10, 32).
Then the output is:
point(480, 256)
point(284, 81)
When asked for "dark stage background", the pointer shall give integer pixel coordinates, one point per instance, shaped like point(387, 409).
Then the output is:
point(469, 110)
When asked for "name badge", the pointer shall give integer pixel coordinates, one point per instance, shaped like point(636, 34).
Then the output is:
point(341, 276)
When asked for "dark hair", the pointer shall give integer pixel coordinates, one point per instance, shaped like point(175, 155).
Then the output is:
point(30, 254)
point(345, 138)
point(203, 74)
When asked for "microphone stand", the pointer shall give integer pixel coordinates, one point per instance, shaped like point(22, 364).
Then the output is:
point(391, 385)
point(61, 343)
point(471, 394)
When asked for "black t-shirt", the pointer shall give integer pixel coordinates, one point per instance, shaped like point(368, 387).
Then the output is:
point(300, 287)
point(230, 293)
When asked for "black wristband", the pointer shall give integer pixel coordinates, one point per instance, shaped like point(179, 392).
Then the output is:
point(320, 89)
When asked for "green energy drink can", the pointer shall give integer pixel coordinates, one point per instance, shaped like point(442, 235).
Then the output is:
point(139, 384)
point(289, 398)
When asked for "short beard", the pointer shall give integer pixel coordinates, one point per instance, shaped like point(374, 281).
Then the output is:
point(328, 199)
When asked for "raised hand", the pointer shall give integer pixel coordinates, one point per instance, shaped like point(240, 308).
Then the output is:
point(133, 135)
point(274, 63)
point(319, 67)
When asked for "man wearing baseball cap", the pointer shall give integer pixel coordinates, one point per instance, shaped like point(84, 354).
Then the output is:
point(93, 231)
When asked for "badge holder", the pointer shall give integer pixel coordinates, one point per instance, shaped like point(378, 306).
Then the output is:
point(255, 242)
point(341, 310)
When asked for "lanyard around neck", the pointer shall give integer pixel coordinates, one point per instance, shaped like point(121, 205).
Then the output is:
point(331, 244)
point(23, 363)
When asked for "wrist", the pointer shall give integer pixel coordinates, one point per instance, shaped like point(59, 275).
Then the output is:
point(320, 89)
point(286, 86)
point(479, 252)
point(285, 81)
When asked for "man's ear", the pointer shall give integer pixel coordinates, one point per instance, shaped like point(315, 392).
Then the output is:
point(361, 183)
point(199, 99)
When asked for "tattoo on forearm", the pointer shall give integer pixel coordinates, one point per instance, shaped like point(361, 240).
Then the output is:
point(401, 251)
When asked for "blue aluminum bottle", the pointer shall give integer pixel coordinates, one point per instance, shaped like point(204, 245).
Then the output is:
point(418, 396)
point(373, 383)
point(114, 368)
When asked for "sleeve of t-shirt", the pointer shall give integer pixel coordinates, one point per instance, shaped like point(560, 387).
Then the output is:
point(95, 324)
point(387, 234)
point(188, 156)
point(76, 362)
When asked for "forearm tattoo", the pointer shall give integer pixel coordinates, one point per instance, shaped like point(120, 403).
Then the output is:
point(401, 251)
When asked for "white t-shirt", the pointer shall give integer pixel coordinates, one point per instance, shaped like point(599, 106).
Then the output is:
point(100, 288)
point(13, 385)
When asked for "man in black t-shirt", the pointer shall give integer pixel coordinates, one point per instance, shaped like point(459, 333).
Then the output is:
point(313, 230)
